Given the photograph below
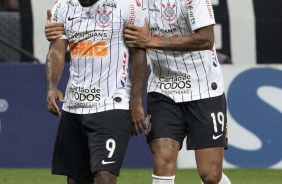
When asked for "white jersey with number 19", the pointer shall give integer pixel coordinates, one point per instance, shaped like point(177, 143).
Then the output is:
point(182, 76)
point(99, 78)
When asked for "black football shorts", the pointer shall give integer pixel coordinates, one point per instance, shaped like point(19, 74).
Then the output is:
point(203, 121)
point(87, 143)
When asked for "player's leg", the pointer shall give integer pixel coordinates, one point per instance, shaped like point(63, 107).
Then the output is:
point(164, 153)
point(103, 177)
point(108, 133)
point(71, 153)
point(168, 130)
point(209, 164)
point(207, 135)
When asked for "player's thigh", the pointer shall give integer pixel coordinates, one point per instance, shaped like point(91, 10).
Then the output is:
point(108, 133)
point(167, 121)
point(207, 123)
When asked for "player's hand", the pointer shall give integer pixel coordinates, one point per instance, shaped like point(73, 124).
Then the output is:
point(137, 118)
point(52, 96)
point(53, 31)
point(138, 36)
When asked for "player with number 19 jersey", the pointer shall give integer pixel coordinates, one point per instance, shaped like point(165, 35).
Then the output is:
point(182, 76)
point(99, 78)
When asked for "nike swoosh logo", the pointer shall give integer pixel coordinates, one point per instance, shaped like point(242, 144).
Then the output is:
point(216, 137)
point(104, 162)
point(144, 8)
point(70, 19)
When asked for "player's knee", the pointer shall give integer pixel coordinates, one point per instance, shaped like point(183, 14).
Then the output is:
point(213, 177)
point(104, 177)
point(71, 181)
point(164, 166)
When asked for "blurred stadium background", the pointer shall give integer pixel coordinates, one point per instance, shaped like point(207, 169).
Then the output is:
point(248, 40)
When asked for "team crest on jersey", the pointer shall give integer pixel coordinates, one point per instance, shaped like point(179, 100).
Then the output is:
point(104, 18)
point(169, 11)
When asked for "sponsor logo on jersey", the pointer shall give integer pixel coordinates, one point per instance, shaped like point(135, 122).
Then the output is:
point(97, 34)
point(169, 11)
point(55, 14)
point(124, 68)
point(210, 10)
point(175, 84)
point(158, 29)
point(132, 14)
point(155, 9)
point(71, 18)
point(85, 97)
point(214, 58)
point(104, 19)
point(88, 48)
point(87, 15)
point(111, 4)
point(107, 162)
point(214, 137)
point(191, 14)
point(75, 4)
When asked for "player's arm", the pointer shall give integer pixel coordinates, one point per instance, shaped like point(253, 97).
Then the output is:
point(54, 30)
point(201, 39)
point(138, 77)
point(54, 66)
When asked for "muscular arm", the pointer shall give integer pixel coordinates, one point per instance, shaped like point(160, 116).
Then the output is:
point(138, 77)
point(54, 66)
point(202, 39)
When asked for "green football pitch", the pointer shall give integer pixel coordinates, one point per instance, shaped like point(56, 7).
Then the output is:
point(143, 176)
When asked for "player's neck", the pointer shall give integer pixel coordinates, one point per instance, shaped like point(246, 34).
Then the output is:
point(89, 3)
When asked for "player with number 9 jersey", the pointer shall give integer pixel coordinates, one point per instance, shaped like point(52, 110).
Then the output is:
point(99, 78)
point(95, 126)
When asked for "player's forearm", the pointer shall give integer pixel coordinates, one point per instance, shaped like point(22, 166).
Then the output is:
point(202, 39)
point(138, 74)
point(54, 65)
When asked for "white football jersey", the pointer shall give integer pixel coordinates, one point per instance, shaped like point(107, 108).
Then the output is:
point(182, 76)
point(99, 78)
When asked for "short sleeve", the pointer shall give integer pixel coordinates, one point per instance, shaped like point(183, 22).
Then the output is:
point(133, 13)
point(58, 15)
point(200, 13)
point(57, 12)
